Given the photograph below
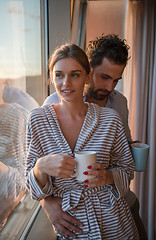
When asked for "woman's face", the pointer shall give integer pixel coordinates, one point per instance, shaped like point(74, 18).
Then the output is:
point(69, 78)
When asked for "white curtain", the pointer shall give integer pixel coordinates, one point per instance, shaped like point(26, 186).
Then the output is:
point(140, 90)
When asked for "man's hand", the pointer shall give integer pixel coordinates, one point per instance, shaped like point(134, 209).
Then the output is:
point(62, 221)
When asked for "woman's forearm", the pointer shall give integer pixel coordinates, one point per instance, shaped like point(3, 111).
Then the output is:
point(40, 176)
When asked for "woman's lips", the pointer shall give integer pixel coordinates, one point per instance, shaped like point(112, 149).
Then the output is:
point(67, 91)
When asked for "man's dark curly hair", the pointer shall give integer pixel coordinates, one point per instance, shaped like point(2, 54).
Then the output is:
point(109, 46)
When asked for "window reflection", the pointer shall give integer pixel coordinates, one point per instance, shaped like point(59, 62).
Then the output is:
point(13, 118)
point(21, 90)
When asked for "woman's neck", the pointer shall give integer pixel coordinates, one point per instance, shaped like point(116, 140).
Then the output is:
point(70, 118)
point(72, 109)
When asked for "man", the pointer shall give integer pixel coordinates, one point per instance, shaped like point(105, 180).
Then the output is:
point(108, 56)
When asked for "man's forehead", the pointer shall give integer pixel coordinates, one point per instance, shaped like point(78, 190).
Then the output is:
point(109, 68)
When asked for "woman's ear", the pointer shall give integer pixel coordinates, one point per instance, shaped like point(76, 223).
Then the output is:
point(89, 77)
point(51, 77)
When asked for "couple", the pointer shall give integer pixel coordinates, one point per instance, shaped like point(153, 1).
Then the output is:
point(56, 132)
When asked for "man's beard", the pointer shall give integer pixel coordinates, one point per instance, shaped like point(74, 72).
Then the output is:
point(96, 95)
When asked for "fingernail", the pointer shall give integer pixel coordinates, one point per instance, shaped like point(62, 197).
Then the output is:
point(86, 181)
point(85, 173)
point(86, 185)
point(89, 167)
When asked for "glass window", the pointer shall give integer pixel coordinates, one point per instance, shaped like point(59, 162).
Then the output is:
point(22, 88)
point(21, 48)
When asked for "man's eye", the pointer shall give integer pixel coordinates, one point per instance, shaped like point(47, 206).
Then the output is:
point(103, 77)
point(117, 80)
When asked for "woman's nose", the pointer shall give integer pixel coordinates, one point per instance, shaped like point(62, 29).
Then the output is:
point(66, 80)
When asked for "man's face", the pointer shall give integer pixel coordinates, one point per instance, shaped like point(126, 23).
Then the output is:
point(104, 79)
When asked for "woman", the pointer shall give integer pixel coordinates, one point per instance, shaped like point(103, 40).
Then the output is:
point(56, 132)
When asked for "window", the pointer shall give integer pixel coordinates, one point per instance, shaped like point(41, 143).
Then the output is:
point(23, 86)
point(23, 49)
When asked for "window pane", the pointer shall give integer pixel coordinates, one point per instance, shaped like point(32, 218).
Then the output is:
point(20, 46)
point(22, 88)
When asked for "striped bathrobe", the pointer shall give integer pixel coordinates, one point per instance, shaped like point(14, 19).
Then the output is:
point(103, 210)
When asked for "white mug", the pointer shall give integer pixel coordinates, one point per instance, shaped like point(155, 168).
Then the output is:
point(84, 159)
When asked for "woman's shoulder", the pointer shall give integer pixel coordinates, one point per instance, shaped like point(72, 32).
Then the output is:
point(109, 111)
point(105, 114)
point(37, 111)
point(43, 112)
point(104, 110)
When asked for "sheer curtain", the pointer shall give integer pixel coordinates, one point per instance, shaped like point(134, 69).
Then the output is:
point(140, 90)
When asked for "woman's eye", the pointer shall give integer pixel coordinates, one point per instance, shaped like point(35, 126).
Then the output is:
point(59, 75)
point(75, 75)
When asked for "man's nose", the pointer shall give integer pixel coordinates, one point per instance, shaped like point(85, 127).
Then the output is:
point(109, 85)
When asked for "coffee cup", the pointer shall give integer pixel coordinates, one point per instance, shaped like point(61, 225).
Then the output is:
point(140, 152)
point(84, 159)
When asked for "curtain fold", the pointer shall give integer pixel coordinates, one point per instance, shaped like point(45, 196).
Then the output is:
point(78, 30)
point(140, 90)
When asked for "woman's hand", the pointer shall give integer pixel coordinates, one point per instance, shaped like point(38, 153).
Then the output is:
point(102, 176)
point(56, 165)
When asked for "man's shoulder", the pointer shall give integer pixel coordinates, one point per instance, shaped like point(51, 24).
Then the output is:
point(119, 102)
point(116, 99)
point(118, 95)
point(52, 99)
